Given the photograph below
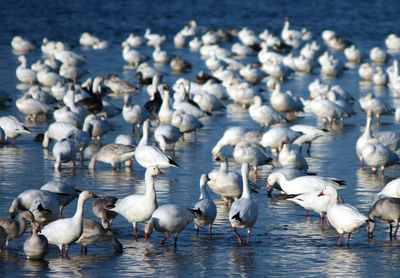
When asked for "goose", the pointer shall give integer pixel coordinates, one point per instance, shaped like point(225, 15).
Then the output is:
point(70, 58)
point(154, 39)
point(70, 99)
point(100, 210)
point(72, 73)
point(301, 184)
point(33, 108)
point(15, 228)
point(186, 123)
point(376, 155)
point(25, 74)
point(64, 114)
point(179, 65)
point(195, 44)
point(22, 45)
point(184, 102)
point(273, 138)
point(71, 228)
point(57, 131)
point(366, 71)
point(134, 115)
point(353, 54)
point(179, 40)
point(309, 134)
point(375, 104)
point(333, 41)
point(35, 245)
point(51, 48)
point(251, 74)
point(96, 127)
point(92, 100)
point(113, 153)
point(160, 56)
point(244, 211)
point(345, 219)
point(284, 102)
point(139, 208)
point(327, 110)
point(264, 115)
point(303, 64)
point(242, 50)
point(166, 111)
point(392, 42)
point(290, 36)
point(132, 56)
point(210, 38)
point(87, 39)
point(12, 128)
point(233, 135)
point(118, 85)
point(377, 55)
point(47, 78)
point(64, 151)
point(226, 183)
point(318, 201)
point(289, 173)
point(94, 233)
point(134, 40)
point(291, 158)
point(149, 156)
point(166, 135)
point(386, 209)
point(206, 205)
point(391, 189)
point(66, 193)
point(253, 154)
point(242, 94)
point(41, 95)
point(126, 139)
point(380, 78)
point(208, 102)
point(169, 219)
point(331, 66)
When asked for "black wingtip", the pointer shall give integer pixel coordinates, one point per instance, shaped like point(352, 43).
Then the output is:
point(237, 217)
point(196, 212)
point(173, 163)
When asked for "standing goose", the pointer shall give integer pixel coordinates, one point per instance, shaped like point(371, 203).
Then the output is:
point(264, 115)
point(244, 211)
point(96, 127)
point(167, 134)
point(100, 210)
point(139, 208)
point(15, 228)
point(25, 74)
point(165, 112)
point(64, 151)
point(253, 154)
point(291, 158)
point(186, 123)
point(386, 209)
point(376, 155)
point(35, 246)
point(206, 206)
point(150, 156)
point(67, 230)
point(3, 237)
point(169, 219)
point(12, 127)
point(114, 154)
point(345, 219)
point(134, 115)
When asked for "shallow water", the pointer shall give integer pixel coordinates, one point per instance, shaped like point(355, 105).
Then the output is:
point(283, 241)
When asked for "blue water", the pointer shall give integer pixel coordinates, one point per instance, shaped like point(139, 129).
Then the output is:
point(283, 242)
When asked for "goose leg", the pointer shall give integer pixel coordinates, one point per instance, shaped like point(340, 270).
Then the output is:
point(248, 236)
point(167, 237)
point(395, 231)
point(348, 239)
point(210, 230)
point(390, 230)
point(340, 239)
point(175, 240)
point(238, 236)
point(134, 233)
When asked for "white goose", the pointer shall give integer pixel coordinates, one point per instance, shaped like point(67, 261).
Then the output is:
point(366, 71)
point(328, 111)
point(206, 206)
point(290, 173)
point(35, 246)
point(134, 40)
point(134, 115)
point(377, 55)
point(169, 219)
point(12, 128)
point(345, 219)
point(244, 211)
point(64, 114)
point(166, 135)
point(392, 42)
point(67, 230)
point(273, 138)
point(291, 158)
point(391, 189)
point(150, 156)
point(25, 74)
point(165, 112)
point(15, 228)
point(376, 155)
point(186, 123)
point(375, 104)
point(309, 134)
point(57, 131)
point(284, 102)
point(22, 45)
point(33, 108)
point(154, 39)
point(132, 56)
point(48, 78)
point(160, 56)
point(64, 151)
point(139, 208)
point(253, 154)
point(118, 85)
point(114, 154)
point(353, 54)
point(264, 115)
point(95, 126)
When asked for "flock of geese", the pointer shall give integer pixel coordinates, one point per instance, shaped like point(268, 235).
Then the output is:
point(170, 112)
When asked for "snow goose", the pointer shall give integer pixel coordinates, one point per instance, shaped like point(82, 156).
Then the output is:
point(226, 183)
point(289, 173)
point(64, 151)
point(353, 54)
point(47, 78)
point(328, 111)
point(57, 131)
point(100, 210)
point(345, 219)
point(365, 138)
point(139, 208)
point(331, 66)
point(376, 155)
point(206, 206)
point(253, 154)
point(210, 38)
point(134, 115)
point(309, 134)
point(22, 45)
point(186, 123)
point(375, 104)
point(150, 156)
point(318, 201)
point(25, 74)
point(15, 228)
point(290, 36)
point(169, 219)
point(132, 56)
point(264, 115)
point(209, 102)
point(291, 158)
point(33, 108)
point(64, 114)
point(366, 71)
point(392, 42)
point(195, 44)
point(242, 94)
point(273, 137)
point(284, 102)
point(96, 127)
point(113, 153)
point(179, 65)
point(183, 101)
point(386, 209)
point(87, 39)
point(241, 50)
point(12, 128)
point(66, 193)
point(71, 228)
point(179, 40)
point(166, 135)
point(380, 78)
point(70, 58)
point(134, 40)
point(244, 211)
point(154, 39)
point(165, 112)
point(303, 64)
point(118, 85)
point(301, 184)
point(377, 55)
point(160, 56)
point(72, 73)
point(333, 41)
point(94, 233)
point(251, 74)
point(35, 246)
point(125, 139)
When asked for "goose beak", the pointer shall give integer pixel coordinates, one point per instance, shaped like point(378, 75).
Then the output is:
point(161, 172)
point(321, 194)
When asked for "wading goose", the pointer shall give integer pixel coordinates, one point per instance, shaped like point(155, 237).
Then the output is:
point(167, 135)
point(67, 230)
point(25, 74)
point(376, 155)
point(114, 154)
point(15, 228)
point(253, 154)
point(132, 56)
point(96, 127)
point(291, 158)
point(139, 208)
point(375, 104)
point(186, 123)
point(289, 173)
point(33, 108)
point(386, 209)
point(35, 246)
point(207, 207)
point(169, 219)
point(100, 210)
point(165, 112)
point(150, 156)
point(134, 114)
point(309, 134)
point(94, 233)
point(64, 151)
point(273, 138)
point(12, 128)
point(264, 115)
point(244, 211)
point(22, 45)
point(345, 219)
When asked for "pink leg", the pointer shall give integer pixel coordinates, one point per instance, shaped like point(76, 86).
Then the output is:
point(61, 216)
point(197, 231)
point(248, 236)
point(134, 233)
point(382, 172)
point(340, 239)
point(167, 237)
point(348, 239)
point(328, 224)
point(81, 152)
point(238, 236)
point(306, 212)
point(321, 221)
point(210, 230)
point(66, 250)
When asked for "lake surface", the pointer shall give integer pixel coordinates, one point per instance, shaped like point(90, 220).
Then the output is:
point(284, 242)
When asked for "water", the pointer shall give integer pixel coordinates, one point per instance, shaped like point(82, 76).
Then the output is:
point(283, 242)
